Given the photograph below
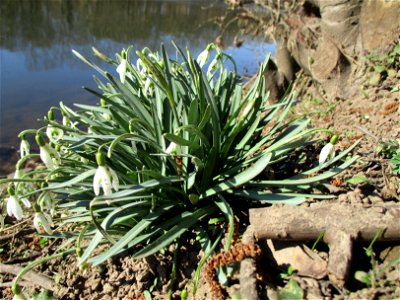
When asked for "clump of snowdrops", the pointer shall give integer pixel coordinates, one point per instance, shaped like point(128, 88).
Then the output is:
point(172, 145)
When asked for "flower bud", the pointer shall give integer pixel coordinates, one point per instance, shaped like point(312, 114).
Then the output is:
point(40, 140)
point(334, 139)
point(50, 115)
point(100, 159)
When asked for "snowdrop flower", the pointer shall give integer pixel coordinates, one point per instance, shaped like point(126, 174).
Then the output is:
point(105, 177)
point(46, 203)
point(42, 220)
point(48, 155)
point(203, 57)
point(173, 149)
point(328, 151)
point(121, 69)
point(141, 67)
point(54, 134)
point(147, 86)
point(24, 148)
point(13, 206)
point(213, 65)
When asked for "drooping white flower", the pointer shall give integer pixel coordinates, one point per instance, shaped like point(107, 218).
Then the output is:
point(26, 202)
point(121, 69)
point(66, 121)
point(14, 208)
point(328, 151)
point(24, 148)
point(141, 67)
point(203, 57)
point(147, 85)
point(54, 134)
point(42, 220)
point(46, 203)
point(173, 149)
point(49, 157)
point(213, 65)
point(105, 177)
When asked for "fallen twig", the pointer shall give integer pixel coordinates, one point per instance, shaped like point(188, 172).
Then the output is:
point(343, 224)
point(19, 233)
point(31, 276)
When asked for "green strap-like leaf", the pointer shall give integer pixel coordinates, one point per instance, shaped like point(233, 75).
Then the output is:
point(240, 178)
point(131, 234)
point(174, 232)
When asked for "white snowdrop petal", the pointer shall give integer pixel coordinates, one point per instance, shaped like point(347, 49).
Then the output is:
point(114, 179)
point(26, 202)
point(45, 223)
point(9, 206)
point(36, 222)
point(46, 158)
point(121, 69)
point(96, 182)
point(325, 153)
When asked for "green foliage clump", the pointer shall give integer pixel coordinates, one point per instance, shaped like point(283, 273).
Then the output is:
point(169, 149)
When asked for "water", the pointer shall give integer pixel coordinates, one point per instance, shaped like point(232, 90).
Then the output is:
point(38, 68)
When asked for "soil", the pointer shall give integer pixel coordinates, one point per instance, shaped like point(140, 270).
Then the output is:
point(372, 113)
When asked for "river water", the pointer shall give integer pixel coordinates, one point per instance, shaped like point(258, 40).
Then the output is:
point(38, 68)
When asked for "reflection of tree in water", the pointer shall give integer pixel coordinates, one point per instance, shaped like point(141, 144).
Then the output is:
point(45, 31)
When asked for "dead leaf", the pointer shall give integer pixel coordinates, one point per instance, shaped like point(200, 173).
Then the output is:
point(302, 259)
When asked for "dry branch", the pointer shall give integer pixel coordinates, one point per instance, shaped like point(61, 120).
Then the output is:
point(31, 276)
point(342, 223)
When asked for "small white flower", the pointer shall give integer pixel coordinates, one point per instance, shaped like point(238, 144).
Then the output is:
point(42, 220)
point(147, 86)
point(46, 203)
point(327, 152)
point(26, 202)
point(54, 134)
point(203, 57)
point(173, 149)
point(49, 156)
point(66, 121)
point(121, 69)
point(213, 66)
point(107, 179)
point(14, 208)
point(141, 67)
point(24, 148)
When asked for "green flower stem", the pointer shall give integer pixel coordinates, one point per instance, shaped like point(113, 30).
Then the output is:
point(6, 180)
point(23, 159)
point(27, 131)
point(35, 263)
point(174, 270)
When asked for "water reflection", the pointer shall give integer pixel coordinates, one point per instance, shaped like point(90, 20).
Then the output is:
point(37, 36)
